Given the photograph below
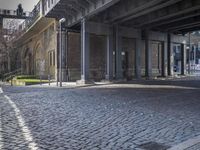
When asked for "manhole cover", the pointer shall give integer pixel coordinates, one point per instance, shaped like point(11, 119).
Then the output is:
point(153, 146)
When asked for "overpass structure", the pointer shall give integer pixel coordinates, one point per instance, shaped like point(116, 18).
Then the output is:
point(135, 38)
point(174, 16)
point(142, 20)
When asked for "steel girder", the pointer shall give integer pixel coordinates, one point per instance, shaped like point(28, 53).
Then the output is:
point(75, 10)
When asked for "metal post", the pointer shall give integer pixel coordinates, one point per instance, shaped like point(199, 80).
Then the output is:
point(49, 78)
point(61, 49)
point(40, 79)
point(12, 81)
point(194, 59)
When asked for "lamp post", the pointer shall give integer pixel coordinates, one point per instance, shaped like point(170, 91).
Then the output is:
point(61, 21)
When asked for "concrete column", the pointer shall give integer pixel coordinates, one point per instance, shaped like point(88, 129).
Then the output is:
point(194, 61)
point(119, 73)
point(57, 56)
point(148, 56)
point(1, 23)
point(170, 56)
point(189, 53)
point(164, 59)
point(109, 57)
point(183, 57)
point(66, 54)
point(138, 58)
point(85, 45)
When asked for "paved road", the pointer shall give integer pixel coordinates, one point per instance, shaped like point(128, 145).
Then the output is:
point(151, 115)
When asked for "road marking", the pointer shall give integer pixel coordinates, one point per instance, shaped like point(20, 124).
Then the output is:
point(1, 138)
point(25, 130)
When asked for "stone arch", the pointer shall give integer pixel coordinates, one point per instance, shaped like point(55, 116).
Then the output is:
point(17, 60)
point(37, 57)
point(27, 59)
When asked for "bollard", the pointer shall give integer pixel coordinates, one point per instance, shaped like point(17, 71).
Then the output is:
point(11, 82)
point(49, 78)
point(40, 80)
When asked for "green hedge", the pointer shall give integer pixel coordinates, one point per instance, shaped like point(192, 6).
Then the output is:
point(27, 77)
point(24, 82)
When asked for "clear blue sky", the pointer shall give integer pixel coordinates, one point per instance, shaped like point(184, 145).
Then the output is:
point(27, 5)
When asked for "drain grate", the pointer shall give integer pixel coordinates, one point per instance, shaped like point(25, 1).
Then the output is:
point(153, 146)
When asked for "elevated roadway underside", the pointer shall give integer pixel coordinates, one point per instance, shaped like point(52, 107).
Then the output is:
point(176, 16)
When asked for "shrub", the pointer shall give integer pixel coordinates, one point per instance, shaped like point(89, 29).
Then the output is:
point(27, 77)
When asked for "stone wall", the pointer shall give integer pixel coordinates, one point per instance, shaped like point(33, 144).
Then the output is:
point(38, 51)
point(74, 56)
point(97, 57)
point(128, 52)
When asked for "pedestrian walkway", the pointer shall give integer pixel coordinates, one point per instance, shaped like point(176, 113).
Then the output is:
point(67, 85)
point(191, 144)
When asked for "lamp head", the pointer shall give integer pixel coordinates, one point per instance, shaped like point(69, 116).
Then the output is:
point(62, 20)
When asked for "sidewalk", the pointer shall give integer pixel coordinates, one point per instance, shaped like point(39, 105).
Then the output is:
point(68, 85)
point(192, 144)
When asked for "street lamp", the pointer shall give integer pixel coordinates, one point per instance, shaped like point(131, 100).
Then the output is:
point(61, 21)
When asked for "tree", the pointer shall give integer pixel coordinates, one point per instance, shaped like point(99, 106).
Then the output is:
point(7, 49)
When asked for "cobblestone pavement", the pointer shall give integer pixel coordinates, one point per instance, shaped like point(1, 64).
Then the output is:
point(118, 117)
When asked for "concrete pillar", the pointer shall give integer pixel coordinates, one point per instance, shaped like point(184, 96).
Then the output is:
point(170, 56)
point(148, 56)
point(189, 53)
point(85, 49)
point(109, 57)
point(1, 23)
point(183, 59)
point(194, 58)
point(57, 56)
point(119, 73)
point(138, 58)
point(66, 54)
point(164, 59)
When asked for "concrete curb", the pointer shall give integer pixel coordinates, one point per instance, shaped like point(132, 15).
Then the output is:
point(187, 144)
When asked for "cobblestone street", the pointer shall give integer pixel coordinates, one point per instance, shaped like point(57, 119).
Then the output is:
point(116, 116)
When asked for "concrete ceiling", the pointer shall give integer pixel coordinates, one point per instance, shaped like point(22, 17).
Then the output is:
point(175, 16)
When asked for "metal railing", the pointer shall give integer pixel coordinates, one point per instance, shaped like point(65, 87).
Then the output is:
point(42, 8)
point(34, 15)
point(48, 5)
point(6, 12)
point(10, 75)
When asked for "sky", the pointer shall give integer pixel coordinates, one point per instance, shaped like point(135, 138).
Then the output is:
point(27, 5)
